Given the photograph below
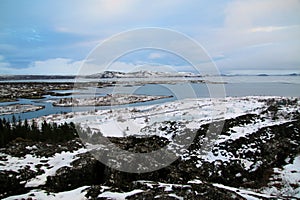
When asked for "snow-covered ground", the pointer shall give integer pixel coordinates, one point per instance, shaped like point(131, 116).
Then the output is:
point(141, 74)
point(145, 120)
point(18, 108)
point(32, 162)
point(286, 180)
point(168, 120)
point(76, 194)
point(108, 100)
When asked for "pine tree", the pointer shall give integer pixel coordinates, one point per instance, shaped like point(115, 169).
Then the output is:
point(49, 132)
point(14, 120)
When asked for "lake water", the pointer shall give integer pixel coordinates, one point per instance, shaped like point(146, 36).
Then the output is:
point(236, 86)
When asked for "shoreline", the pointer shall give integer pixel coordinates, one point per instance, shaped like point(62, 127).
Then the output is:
point(108, 100)
point(19, 108)
point(11, 91)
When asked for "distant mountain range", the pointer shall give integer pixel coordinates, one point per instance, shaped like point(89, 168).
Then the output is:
point(105, 74)
point(141, 74)
point(34, 77)
point(116, 74)
point(292, 74)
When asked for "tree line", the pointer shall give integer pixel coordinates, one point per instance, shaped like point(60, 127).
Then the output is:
point(48, 132)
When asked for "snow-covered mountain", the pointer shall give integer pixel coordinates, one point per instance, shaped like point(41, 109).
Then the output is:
point(141, 74)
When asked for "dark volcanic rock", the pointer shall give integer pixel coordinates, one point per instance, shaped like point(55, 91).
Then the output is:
point(21, 148)
point(14, 182)
point(155, 190)
point(268, 153)
point(283, 143)
point(272, 146)
point(10, 184)
point(84, 171)
point(263, 150)
point(140, 145)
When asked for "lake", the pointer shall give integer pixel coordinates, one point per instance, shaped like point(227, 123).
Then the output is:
point(235, 86)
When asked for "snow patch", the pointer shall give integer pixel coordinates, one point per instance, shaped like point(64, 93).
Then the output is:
point(76, 194)
point(119, 195)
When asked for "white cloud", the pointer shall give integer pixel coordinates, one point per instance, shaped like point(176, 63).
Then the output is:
point(106, 17)
point(254, 33)
point(155, 55)
point(57, 66)
point(247, 33)
point(267, 29)
point(64, 66)
point(264, 57)
point(240, 14)
point(131, 67)
point(257, 35)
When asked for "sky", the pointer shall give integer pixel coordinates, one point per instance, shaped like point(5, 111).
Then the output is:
point(56, 37)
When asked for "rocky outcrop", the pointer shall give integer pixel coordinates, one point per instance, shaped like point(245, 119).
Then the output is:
point(283, 143)
point(12, 184)
point(250, 162)
point(21, 147)
point(149, 190)
point(84, 171)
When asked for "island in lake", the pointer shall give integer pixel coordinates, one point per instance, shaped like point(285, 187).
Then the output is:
point(107, 100)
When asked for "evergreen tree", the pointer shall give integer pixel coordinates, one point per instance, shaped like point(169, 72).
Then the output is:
point(14, 120)
point(49, 132)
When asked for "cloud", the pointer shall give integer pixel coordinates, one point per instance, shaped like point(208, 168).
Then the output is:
point(89, 68)
point(255, 22)
point(130, 67)
point(268, 28)
point(248, 34)
point(257, 35)
point(240, 14)
point(109, 17)
point(57, 66)
point(64, 66)
point(155, 55)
